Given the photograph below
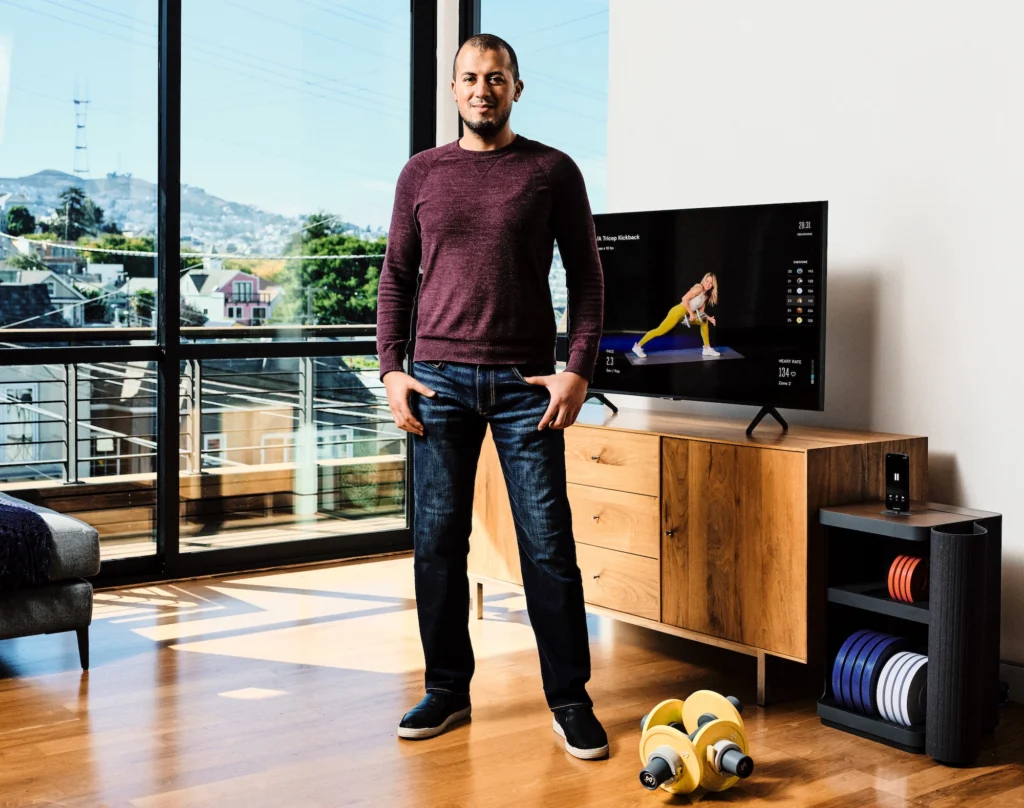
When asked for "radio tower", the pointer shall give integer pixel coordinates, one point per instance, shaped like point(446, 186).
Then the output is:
point(81, 146)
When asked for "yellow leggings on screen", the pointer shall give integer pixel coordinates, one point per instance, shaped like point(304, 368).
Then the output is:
point(672, 319)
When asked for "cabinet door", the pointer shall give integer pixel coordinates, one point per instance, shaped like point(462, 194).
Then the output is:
point(734, 543)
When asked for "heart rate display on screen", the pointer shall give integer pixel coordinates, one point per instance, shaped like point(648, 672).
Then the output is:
point(718, 304)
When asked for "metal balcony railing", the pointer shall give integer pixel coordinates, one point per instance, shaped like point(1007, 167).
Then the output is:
point(71, 423)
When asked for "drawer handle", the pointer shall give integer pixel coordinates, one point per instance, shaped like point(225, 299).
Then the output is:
point(668, 532)
point(596, 457)
point(597, 576)
point(597, 516)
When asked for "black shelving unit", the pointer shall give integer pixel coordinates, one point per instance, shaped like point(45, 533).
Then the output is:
point(959, 636)
point(874, 597)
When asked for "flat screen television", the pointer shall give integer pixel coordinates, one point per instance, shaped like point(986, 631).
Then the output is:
point(721, 304)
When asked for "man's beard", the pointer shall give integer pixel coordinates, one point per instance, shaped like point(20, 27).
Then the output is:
point(488, 127)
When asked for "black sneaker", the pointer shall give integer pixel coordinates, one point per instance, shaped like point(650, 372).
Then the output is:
point(433, 715)
point(584, 736)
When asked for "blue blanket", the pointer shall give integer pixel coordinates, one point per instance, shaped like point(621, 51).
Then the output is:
point(24, 548)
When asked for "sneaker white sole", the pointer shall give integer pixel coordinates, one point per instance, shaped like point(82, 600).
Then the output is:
point(413, 734)
point(582, 754)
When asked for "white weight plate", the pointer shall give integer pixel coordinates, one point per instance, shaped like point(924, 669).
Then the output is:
point(914, 690)
point(902, 678)
point(885, 694)
point(895, 682)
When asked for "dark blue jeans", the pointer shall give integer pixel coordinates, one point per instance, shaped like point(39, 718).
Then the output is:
point(469, 397)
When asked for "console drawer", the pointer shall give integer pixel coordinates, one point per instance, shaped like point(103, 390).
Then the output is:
point(606, 458)
point(615, 520)
point(620, 581)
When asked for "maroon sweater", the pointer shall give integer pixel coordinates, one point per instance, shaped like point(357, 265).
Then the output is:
point(482, 225)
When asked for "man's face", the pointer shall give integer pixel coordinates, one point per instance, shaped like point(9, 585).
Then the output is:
point(484, 89)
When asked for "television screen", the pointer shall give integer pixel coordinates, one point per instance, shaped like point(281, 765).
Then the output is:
point(717, 304)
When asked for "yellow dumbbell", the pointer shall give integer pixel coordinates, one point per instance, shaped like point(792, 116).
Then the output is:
point(716, 730)
point(669, 757)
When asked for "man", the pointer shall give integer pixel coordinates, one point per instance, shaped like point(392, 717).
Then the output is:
point(480, 216)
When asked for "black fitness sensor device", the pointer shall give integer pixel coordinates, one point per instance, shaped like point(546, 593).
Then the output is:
point(897, 482)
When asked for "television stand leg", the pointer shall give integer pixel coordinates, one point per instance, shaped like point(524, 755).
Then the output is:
point(774, 413)
point(600, 398)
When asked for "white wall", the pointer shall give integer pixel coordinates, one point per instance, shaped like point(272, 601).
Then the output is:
point(908, 118)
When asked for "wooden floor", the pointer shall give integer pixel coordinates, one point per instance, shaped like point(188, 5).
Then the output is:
point(284, 690)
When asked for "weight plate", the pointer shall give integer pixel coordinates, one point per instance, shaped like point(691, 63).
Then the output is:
point(919, 584)
point(888, 699)
point(892, 575)
point(861, 659)
point(908, 571)
point(846, 681)
point(900, 572)
point(837, 667)
point(665, 713)
point(688, 778)
point(915, 694)
point(710, 734)
point(872, 672)
point(883, 682)
point(708, 701)
point(895, 685)
point(900, 681)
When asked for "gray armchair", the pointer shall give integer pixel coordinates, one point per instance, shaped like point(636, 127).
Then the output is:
point(65, 603)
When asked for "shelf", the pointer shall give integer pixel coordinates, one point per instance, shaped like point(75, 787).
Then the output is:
point(870, 517)
point(910, 739)
point(874, 597)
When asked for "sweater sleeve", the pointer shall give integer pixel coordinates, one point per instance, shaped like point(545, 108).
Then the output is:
point(396, 289)
point(584, 279)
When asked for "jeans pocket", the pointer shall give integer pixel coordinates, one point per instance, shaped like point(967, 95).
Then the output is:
point(435, 365)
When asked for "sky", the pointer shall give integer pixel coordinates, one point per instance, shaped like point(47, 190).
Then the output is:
point(293, 107)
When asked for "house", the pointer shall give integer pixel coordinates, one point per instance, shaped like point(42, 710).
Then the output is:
point(64, 297)
point(229, 295)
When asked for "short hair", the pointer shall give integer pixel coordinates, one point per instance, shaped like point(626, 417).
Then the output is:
point(490, 42)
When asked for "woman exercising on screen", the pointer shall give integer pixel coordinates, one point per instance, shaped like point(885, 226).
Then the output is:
point(690, 309)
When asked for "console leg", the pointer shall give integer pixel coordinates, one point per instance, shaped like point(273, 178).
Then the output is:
point(774, 413)
point(479, 601)
point(762, 698)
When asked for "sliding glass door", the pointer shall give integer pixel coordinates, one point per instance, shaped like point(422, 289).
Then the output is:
point(193, 220)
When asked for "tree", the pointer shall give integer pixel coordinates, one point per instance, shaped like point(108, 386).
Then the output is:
point(319, 225)
point(20, 222)
point(337, 290)
point(112, 227)
point(135, 266)
point(25, 262)
point(96, 310)
point(77, 215)
point(143, 302)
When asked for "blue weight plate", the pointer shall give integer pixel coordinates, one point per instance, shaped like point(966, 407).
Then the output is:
point(837, 667)
point(846, 681)
point(857, 673)
point(873, 666)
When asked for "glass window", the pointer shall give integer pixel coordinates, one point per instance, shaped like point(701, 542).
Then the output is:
point(78, 165)
point(292, 448)
point(295, 127)
point(562, 50)
point(81, 439)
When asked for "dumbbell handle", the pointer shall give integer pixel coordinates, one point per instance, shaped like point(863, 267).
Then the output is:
point(656, 772)
point(730, 759)
point(734, 762)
